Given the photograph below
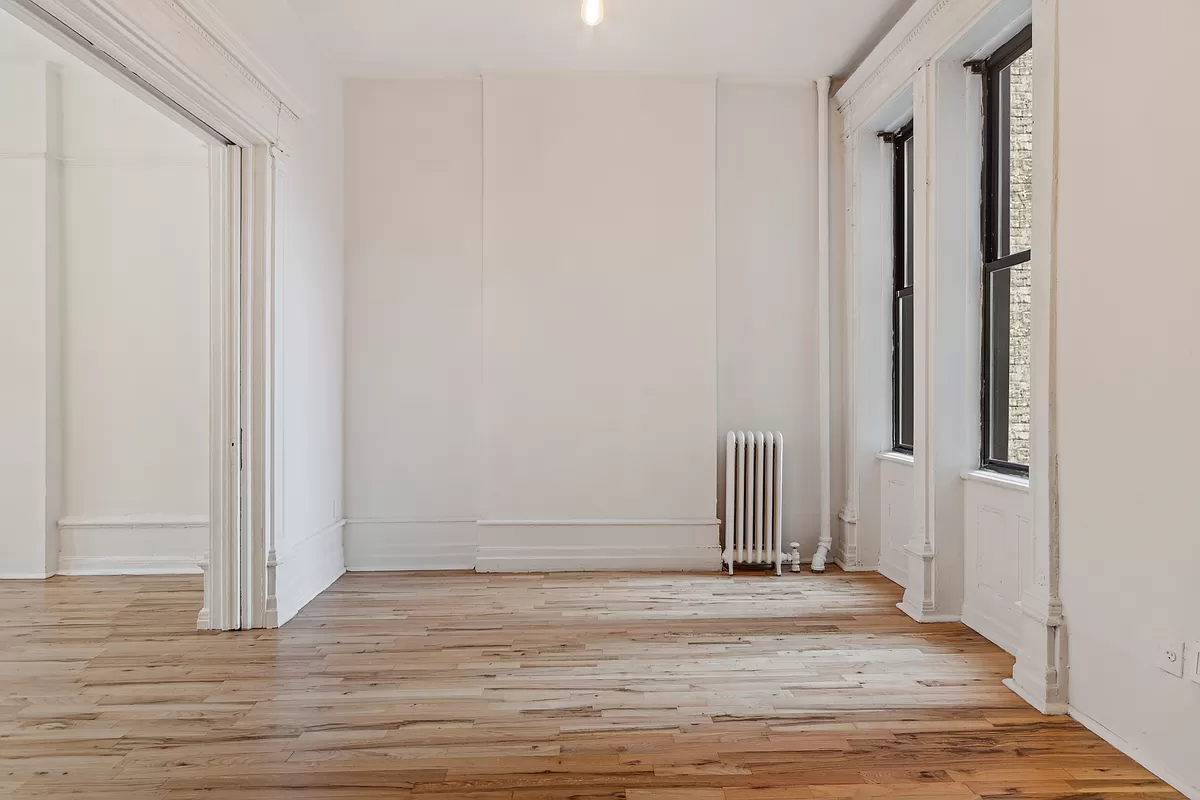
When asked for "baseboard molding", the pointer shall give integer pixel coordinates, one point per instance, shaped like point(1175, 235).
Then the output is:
point(1191, 791)
point(395, 544)
point(1039, 704)
point(583, 545)
point(927, 617)
point(24, 576)
point(304, 570)
point(896, 574)
point(991, 627)
point(541, 545)
point(146, 545)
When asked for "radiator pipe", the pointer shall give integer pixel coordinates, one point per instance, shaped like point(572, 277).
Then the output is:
point(824, 346)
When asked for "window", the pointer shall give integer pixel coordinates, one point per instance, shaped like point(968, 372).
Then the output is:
point(1007, 242)
point(902, 285)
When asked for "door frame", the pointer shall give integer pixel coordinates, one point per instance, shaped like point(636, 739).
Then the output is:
point(184, 59)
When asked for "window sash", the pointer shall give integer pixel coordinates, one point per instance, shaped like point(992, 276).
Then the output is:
point(902, 287)
point(996, 243)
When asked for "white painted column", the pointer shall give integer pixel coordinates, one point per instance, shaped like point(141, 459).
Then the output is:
point(30, 323)
point(947, 263)
point(1040, 674)
point(825, 542)
point(847, 549)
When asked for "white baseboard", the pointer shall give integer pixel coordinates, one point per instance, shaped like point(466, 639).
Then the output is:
point(925, 617)
point(1188, 790)
point(896, 574)
point(664, 545)
point(143, 545)
point(991, 626)
point(395, 544)
point(306, 569)
point(24, 576)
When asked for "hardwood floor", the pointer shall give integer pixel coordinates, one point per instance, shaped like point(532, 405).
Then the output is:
point(512, 687)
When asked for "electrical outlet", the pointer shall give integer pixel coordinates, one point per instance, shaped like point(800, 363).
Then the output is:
point(1191, 665)
point(1170, 658)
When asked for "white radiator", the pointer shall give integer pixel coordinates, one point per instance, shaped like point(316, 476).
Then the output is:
point(754, 500)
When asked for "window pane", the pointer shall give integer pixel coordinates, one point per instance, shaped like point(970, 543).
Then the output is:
point(1010, 297)
point(1016, 162)
point(909, 196)
point(904, 308)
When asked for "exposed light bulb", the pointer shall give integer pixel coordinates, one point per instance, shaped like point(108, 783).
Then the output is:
point(592, 12)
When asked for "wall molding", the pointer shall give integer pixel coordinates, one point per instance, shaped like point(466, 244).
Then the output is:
point(537, 545)
point(304, 570)
point(607, 523)
point(184, 49)
point(134, 545)
point(549, 545)
point(402, 544)
point(1138, 755)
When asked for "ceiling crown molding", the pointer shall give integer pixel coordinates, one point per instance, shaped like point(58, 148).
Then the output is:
point(206, 20)
point(916, 20)
point(183, 49)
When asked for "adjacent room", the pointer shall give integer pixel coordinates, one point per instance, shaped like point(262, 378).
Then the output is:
point(516, 399)
point(106, 322)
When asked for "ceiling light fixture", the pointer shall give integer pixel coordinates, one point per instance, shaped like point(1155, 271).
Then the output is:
point(592, 12)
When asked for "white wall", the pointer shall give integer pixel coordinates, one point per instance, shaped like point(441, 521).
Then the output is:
point(414, 189)
point(767, 299)
point(310, 316)
point(599, 323)
point(1128, 368)
point(532, 339)
point(135, 334)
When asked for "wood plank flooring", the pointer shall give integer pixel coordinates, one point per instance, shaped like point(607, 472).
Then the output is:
point(525, 687)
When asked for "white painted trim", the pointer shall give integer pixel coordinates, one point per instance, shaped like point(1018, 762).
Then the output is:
point(903, 459)
point(24, 576)
point(221, 562)
point(398, 544)
point(131, 565)
point(977, 618)
point(142, 545)
point(670, 545)
point(185, 50)
point(1012, 482)
point(599, 557)
point(136, 161)
point(135, 522)
point(309, 567)
point(824, 338)
point(289, 552)
point(1050, 709)
point(608, 523)
point(1188, 790)
point(926, 617)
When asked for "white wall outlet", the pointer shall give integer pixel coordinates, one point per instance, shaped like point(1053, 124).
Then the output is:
point(1191, 665)
point(1170, 658)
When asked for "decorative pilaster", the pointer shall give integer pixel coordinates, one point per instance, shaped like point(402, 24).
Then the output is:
point(1040, 674)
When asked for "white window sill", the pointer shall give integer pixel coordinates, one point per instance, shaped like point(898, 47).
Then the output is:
point(1014, 483)
point(897, 458)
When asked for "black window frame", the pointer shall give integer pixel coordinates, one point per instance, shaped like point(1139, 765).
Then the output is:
point(903, 277)
point(995, 235)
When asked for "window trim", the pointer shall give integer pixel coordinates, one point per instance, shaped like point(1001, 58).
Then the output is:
point(994, 191)
point(902, 214)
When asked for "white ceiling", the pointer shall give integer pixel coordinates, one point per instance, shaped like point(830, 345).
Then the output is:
point(767, 39)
